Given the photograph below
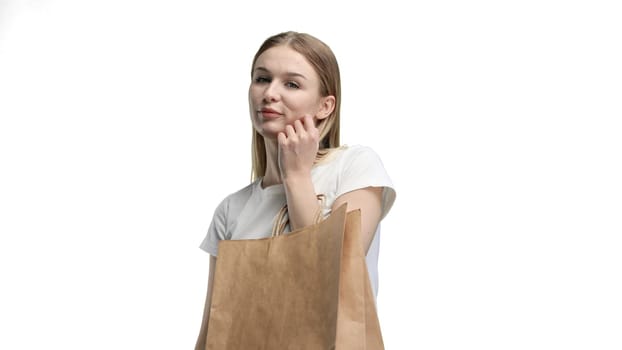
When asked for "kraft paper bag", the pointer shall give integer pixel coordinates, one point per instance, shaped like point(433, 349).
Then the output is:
point(306, 290)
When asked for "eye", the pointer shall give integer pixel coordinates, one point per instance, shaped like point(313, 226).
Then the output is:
point(292, 85)
point(262, 79)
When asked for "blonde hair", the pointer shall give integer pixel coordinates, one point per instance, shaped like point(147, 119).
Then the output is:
point(323, 61)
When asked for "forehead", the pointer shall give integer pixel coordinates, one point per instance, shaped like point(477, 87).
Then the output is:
point(283, 59)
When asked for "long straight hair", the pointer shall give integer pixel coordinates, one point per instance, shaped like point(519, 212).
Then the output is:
point(323, 61)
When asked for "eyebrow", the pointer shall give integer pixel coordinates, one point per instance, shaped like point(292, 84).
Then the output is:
point(289, 74)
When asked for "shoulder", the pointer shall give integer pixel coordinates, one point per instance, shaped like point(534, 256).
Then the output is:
point(237, 199)
point(352, 165)
point(359, 156)
point(348, 153)
point(348, 160)
point(361, 151)
point(363, 167)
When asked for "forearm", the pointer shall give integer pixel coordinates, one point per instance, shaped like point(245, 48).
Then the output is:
point(302, 203)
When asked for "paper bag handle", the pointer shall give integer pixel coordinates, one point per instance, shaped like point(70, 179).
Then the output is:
point(282, 219)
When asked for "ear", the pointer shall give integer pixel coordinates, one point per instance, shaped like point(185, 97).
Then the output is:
point(327, 106)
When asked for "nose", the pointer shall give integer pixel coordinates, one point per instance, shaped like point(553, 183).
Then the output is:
point(271, 93)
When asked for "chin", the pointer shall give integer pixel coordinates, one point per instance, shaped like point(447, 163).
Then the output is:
point(268, 134)
point(270, 131)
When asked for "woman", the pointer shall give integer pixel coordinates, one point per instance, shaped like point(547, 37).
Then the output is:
point(294, 101)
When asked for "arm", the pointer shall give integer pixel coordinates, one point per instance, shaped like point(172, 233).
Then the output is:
point(200, 345)
point(298, 146)
point(302, 202)
point(369, 200)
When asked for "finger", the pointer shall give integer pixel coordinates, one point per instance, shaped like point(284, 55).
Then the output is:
point(309, 119)
point(290, 132)
point(310, 127)
point(308, 122)
point(300, 129)
point(281, 138)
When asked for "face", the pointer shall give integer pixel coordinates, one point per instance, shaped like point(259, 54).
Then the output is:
point(284, 88)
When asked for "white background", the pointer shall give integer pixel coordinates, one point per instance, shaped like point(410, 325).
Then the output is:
point(125, 122)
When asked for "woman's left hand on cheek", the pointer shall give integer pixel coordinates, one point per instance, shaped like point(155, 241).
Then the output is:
point(298, 146)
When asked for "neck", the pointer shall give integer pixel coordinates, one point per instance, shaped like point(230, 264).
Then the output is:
point(273, 174)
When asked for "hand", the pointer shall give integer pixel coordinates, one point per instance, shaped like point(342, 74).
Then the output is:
point(297, 147)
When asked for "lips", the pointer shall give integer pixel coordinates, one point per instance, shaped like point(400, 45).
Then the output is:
point(269, 113)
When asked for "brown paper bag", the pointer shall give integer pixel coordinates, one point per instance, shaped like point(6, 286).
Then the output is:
point(308, 289)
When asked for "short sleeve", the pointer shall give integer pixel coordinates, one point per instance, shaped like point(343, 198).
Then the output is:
point(362, 167)
point(217, 230)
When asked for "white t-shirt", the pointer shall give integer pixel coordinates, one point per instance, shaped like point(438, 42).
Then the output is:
point(250, 212)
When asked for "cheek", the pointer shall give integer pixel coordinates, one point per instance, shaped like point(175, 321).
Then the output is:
point(252, 96)
point(301, 105)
